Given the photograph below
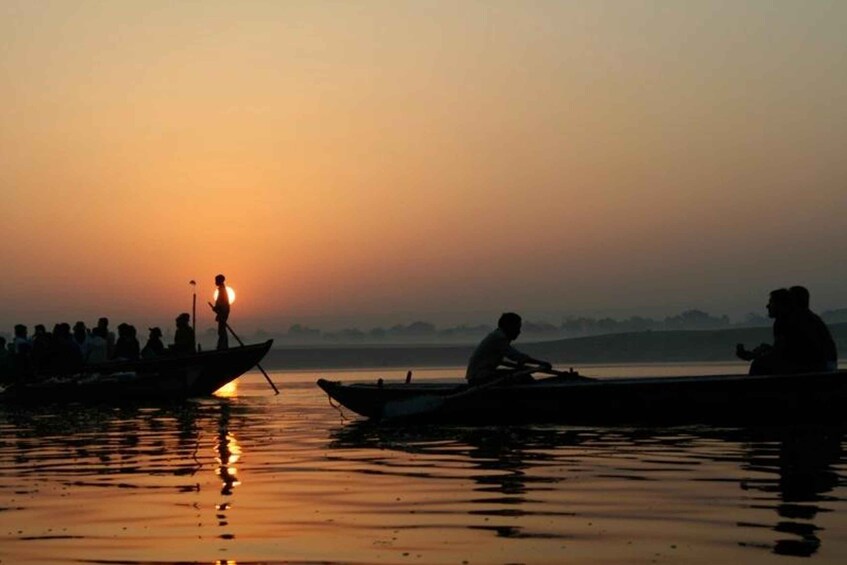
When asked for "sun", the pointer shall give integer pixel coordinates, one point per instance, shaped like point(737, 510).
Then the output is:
point(229, 292)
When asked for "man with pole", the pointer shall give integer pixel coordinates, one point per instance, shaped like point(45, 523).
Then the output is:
point(221, 309)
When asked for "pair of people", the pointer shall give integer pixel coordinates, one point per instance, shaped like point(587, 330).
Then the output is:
point(184, 340)
point(802, 341)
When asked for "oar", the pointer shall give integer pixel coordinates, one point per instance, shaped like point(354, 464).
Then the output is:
point(238, 339)
point(429, 403)
point(567, 374)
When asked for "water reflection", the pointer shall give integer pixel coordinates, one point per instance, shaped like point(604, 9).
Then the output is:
point(801, 463)
point(258, 478)
point(228, 452)
point(101, 441)
point(229, 390)
point(793, 470)
point(124, 439)
point(156, 451)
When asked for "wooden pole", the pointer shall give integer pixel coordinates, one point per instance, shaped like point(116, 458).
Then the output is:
point(194, 312)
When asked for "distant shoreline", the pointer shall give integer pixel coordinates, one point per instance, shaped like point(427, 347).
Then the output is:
point(632, 347)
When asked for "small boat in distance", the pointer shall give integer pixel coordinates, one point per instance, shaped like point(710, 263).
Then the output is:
point(714, 399)
point(171, 378)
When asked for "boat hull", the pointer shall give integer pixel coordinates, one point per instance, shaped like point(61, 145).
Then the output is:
point(718, 399)
point(162, 379)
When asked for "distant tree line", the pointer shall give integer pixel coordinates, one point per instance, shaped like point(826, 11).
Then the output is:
point(423, 332)
point(582, 326)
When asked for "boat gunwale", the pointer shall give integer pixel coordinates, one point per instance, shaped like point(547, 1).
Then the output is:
point(557, 381)
point(725, 398)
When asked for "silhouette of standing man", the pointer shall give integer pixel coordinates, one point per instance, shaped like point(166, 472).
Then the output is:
point(221, 309)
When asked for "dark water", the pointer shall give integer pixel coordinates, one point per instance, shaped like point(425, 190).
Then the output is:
point(256, 478)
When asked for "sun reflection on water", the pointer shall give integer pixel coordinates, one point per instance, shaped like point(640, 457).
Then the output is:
point(229, 390)
point(228, 452)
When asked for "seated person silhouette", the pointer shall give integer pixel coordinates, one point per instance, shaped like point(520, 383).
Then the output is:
point(796, 347)
point(154, 347)
point(184, 339)
point(127, 346)
point(822, 349)
point(485, 362)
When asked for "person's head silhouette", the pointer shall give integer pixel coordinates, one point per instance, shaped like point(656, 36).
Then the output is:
point(510, 323)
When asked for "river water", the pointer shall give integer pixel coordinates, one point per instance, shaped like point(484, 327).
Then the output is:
point(249, 477)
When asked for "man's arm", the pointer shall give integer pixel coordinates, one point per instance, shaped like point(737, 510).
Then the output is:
point(522, 359)
point(742, 353)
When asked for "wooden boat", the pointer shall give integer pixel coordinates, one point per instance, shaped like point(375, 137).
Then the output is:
point(160, 379)
point(715, 399)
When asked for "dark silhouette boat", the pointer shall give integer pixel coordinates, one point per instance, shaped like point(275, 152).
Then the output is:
point(169, 378)
point(714, 399)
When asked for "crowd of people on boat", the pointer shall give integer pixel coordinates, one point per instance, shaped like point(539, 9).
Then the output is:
point(68, 349)
point(802, 342)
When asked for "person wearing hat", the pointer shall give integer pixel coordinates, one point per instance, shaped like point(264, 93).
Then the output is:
point(154, 346)
point(184, 343)
point(221, 309)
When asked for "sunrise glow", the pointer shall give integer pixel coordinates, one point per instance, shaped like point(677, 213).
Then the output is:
point(392, 161)
point(383, 180)
point(229, 292)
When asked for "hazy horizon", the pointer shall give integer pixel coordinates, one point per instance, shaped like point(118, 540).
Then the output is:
point(386, 162)
point(537, 326)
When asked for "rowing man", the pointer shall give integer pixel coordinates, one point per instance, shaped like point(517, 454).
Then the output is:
point(486, 360)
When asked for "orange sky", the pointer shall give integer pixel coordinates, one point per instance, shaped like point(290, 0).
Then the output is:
point(390, 161)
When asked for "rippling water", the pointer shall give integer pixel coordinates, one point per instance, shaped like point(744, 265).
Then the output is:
point(253, 477)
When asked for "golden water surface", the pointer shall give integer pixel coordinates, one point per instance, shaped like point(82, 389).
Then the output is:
point(249, 477)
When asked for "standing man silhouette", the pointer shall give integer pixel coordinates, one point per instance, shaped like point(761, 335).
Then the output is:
point(221, 309)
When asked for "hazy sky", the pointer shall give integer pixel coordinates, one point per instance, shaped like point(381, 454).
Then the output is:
point(394, 160)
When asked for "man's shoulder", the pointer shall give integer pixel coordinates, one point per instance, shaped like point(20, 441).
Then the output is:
point(809, 318)
point(816, 318)
point(492, 339)
point(495, 335)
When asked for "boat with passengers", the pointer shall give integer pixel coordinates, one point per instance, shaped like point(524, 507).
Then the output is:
point(569, 398)
point(167, 378)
